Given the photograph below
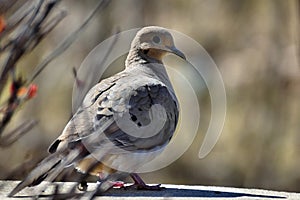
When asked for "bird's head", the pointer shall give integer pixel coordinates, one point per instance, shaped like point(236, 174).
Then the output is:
point(153, 43)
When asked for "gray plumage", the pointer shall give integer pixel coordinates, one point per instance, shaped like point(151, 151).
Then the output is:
point(125, 120)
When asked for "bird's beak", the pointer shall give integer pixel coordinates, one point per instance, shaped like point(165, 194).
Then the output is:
point(175, 51)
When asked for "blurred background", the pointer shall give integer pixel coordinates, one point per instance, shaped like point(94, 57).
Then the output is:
point(255, 45)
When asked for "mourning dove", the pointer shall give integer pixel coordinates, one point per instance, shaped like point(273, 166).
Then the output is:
point(124, 121)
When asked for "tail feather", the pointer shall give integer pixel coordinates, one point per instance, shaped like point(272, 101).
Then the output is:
point(47, 170)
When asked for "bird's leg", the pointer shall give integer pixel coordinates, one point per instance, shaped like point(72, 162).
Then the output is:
point(141, 185)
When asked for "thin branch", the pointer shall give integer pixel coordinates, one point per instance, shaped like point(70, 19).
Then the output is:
point(15, 20)
point(24, 40)
point(54, 22)
point(37, 10)
point(67, 42)
point(15, 134)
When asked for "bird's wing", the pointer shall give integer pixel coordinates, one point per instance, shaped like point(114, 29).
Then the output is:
point(120, 107)
point(81, 123)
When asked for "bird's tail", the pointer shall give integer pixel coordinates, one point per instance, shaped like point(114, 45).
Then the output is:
point(47, 170)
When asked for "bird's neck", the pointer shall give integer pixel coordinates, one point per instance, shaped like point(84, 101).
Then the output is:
point(148, 66)
point(139, 57)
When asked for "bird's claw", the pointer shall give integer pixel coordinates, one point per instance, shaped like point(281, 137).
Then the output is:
point(144, 187)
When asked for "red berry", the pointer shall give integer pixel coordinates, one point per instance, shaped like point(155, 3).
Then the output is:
point(32, 90)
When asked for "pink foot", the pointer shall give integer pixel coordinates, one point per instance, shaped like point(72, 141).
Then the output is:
point(139, 184)
point(118, 184)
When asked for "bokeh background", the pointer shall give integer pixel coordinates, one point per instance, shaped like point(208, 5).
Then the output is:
point(255, 45)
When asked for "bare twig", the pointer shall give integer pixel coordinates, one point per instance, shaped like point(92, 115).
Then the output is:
point(14, 135)
point(12, 103)
point(30, 28)
point(25, 41)
point(29, 36)
point(48, 27)
point(34, 30)
point(67, 42)
point(17, 18)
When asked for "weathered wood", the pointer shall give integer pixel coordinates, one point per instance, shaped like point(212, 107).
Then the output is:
point(172, 191)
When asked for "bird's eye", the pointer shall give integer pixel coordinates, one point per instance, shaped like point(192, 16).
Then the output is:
point(156, 39)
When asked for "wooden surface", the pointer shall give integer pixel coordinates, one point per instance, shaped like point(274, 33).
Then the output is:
point(170, 192)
